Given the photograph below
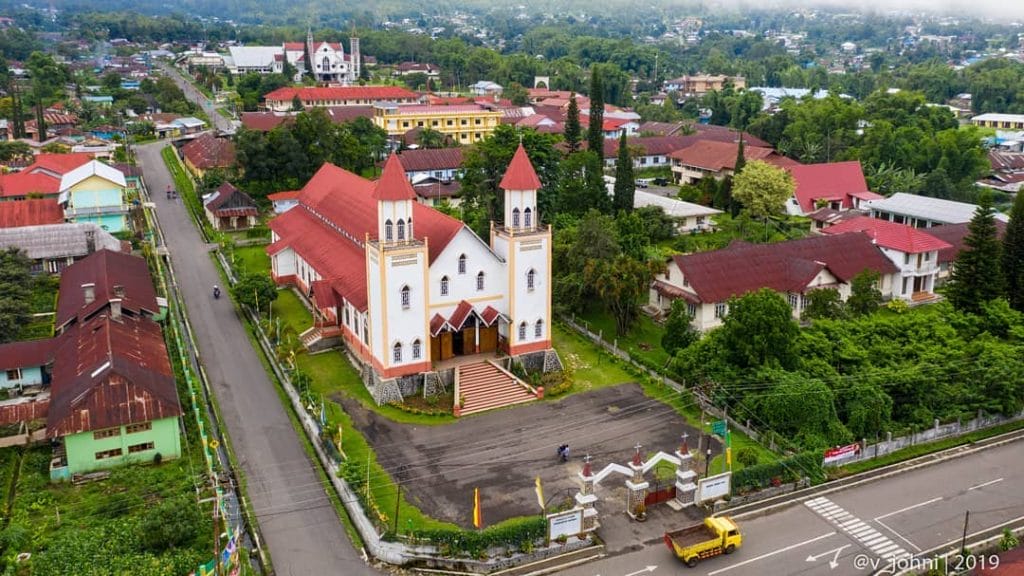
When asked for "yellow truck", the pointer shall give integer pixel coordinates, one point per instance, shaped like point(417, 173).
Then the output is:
point(716, 535)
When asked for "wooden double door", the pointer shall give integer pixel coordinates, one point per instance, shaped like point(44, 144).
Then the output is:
point(450, 344)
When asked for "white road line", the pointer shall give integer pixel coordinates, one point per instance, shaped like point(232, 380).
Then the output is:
point(773, 553)
point(909, 508)
point(862, 531)
point(884, 548)
point(989, 483)
point(875, 540)
point(898, 535)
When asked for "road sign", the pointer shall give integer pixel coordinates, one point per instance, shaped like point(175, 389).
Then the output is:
point(718, 427)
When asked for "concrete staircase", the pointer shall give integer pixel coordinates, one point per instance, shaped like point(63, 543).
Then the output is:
point(484, 386)
point(311, 337)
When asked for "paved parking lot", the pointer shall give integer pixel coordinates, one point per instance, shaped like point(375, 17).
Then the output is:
point(501, 452)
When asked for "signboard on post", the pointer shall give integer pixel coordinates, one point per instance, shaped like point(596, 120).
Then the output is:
point(569, 523)
point(718, 428)
point(713, 487)
point(841, 453)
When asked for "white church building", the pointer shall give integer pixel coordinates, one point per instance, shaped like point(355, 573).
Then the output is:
point(408, 288)
point(325, 62)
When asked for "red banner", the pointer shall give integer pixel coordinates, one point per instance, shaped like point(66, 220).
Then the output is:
point(841, 452)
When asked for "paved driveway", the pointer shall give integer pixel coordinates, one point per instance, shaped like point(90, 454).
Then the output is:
point(502, 452)
point(298, 522)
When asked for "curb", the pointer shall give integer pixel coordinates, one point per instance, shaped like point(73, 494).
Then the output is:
point(875, 475)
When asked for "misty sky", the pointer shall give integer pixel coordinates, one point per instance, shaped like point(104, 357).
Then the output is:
point(1005, 11)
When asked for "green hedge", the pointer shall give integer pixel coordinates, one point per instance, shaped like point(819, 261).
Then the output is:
point(517, 533)
point(806, 464)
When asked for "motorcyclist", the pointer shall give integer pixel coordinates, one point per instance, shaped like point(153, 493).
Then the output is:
point(216, 291)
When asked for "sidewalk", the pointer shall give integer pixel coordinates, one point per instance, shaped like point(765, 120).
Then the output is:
point(622, 534)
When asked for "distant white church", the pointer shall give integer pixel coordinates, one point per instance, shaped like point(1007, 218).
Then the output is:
point(326, 62)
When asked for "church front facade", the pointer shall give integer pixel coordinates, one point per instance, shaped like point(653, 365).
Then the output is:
point(407, 287)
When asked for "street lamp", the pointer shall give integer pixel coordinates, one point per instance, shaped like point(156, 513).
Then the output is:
point(707, 461)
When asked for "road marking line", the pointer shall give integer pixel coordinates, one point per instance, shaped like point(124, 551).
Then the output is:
point(908, 508)
point(989, 483)
point(898, 535)
point(871, 541)
point(773, 553)
point(885, 547)
point(862, 531)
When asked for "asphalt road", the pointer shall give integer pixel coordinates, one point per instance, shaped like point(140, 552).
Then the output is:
point(298, 522)
point(208, 106)
point(849, 532)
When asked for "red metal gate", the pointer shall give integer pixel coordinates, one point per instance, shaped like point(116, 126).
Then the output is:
point(660, 493)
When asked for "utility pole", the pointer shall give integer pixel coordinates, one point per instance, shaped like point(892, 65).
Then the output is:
point(398, 503)
point(963, 540)
point(216, 525)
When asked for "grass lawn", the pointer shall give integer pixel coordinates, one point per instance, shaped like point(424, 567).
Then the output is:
point(101, 527)
point(594, 368)
point(294, 315)
point(331, 373)
point(251, 259)
point(643, 340)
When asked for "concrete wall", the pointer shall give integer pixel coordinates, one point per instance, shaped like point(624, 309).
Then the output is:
point(82, 448)
point(29, 376)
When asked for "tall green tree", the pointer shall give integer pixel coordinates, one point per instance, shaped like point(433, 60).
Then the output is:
point(625, 187)
point(741, 156)
point(824, 303)
point(760, 331)
point(256, 291)
point(679, 330)
point(1013, 254)
point(977, 273)
point(595, 128)
point(14, 293)
point(572, 125)
point(865, 297)
point(763, 189)
point(576, 244)
point(581, 185)
point(620, 284)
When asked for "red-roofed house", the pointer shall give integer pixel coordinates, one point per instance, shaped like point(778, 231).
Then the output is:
point(913, 251)
point(228, 208)
point(284, 201)
point(34, 212)
point(378, 266)
point(208, 152)
point(707, 280)
point(717, 160)
point(835, 185)
point(444, 164)
point(280, 100)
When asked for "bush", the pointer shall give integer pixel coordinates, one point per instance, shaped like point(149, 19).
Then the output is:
point(747, 456)
point(172, 524)
point(1008, 541)
point(775, 473)
point(519, 533)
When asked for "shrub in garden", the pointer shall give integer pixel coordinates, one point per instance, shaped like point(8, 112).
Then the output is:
point(173, 523)
point(747, 456)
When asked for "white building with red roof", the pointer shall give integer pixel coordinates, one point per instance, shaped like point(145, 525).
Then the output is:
point(835, 185)
point(323, 61)
point(914, 252)
point(407, 287)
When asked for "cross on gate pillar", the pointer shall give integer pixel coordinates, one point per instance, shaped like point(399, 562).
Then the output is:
point(686, 488)
point(636, 487)
point(586, 498)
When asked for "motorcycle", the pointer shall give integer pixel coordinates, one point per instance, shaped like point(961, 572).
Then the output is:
point(216, 293)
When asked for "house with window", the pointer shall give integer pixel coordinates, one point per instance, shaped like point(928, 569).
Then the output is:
point(443, 164)
point(282, 99)
point(208, 152)
point(835, 186)
point(112, 394)
point(95, 192)
point(688, 217)
point(407, 287)
point(284, 201)
point(914, 252)
point(228, 208)
point(462, 123)
point(714, 159)
point(53, 247)
point(706, 281)
point(923, 211)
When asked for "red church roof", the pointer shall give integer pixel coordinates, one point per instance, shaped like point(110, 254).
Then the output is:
point(314, 94)
point(520, 174)
point(337, 210)
point(393, 184)
point(891, 235)
point(835, 181)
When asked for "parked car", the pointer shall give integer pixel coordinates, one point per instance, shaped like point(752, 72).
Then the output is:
point(642, 182)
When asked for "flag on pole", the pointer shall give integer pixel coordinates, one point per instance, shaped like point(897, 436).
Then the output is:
point(478, 518)
point(728, 456)
point(540, 494)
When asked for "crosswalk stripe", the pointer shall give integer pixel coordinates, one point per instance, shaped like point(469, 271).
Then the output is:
point(884, 547)
point(878, 538)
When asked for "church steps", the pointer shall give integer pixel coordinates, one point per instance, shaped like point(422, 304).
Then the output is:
point(482, 386)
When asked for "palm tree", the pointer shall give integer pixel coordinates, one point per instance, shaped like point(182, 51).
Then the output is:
point(430, 138)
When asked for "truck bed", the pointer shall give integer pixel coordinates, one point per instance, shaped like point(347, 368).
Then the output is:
point(692, 535)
